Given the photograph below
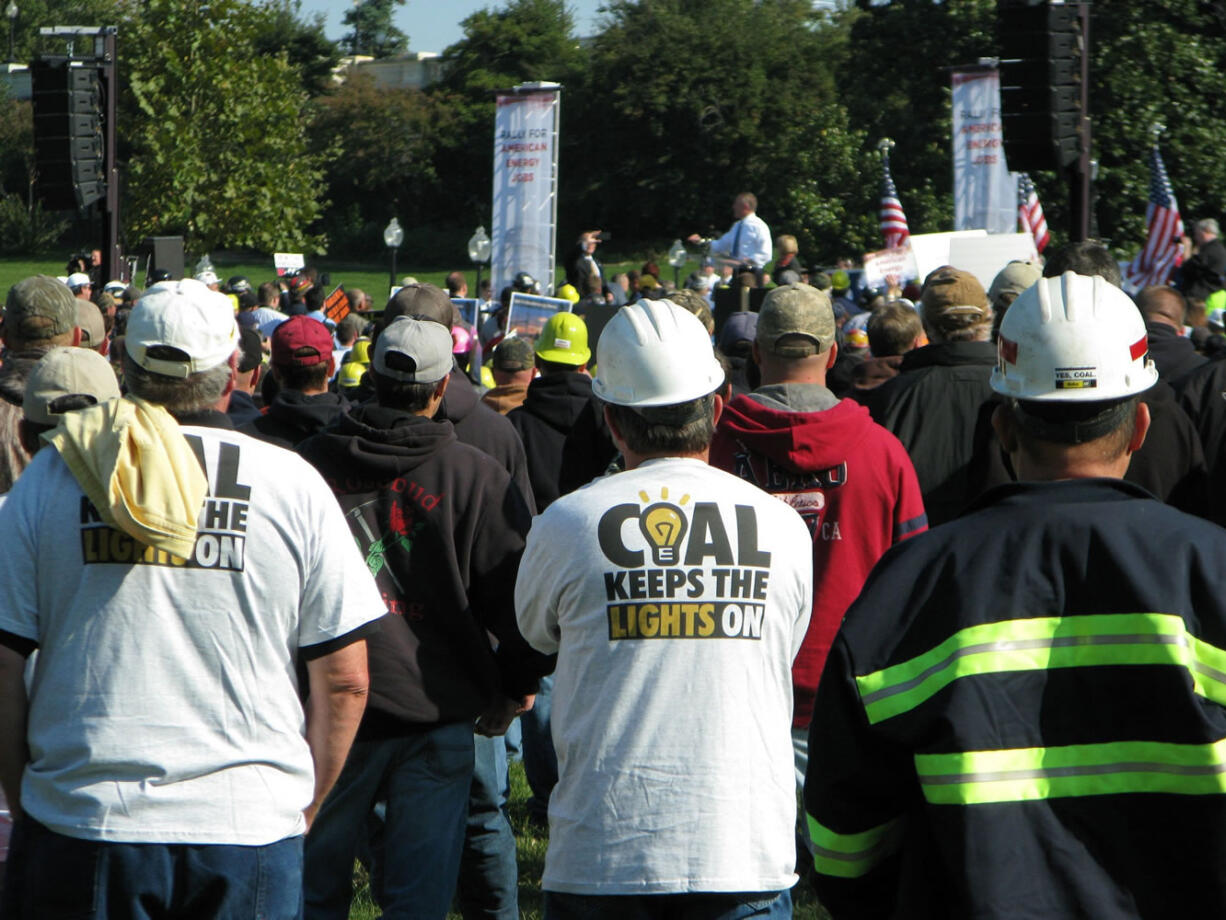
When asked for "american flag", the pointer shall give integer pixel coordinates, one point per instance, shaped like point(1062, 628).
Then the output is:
point(1161, 251)
point(891, 218)
point(1030, 212)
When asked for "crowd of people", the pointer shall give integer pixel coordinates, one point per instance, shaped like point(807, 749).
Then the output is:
point(284, 589)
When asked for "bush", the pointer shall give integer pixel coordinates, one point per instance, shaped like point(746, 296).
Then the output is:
point(27, 229)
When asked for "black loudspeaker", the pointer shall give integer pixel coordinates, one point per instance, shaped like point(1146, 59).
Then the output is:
point(1040, 51)
point(166, 253)
point(68, 139)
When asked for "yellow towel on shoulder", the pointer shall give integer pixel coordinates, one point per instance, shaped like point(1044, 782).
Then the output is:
point(131, 460)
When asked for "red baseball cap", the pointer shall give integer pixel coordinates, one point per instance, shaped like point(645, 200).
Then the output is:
point(302, 342)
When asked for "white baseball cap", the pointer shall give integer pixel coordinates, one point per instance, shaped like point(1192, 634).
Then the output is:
point(185, 315)
point(78, 279)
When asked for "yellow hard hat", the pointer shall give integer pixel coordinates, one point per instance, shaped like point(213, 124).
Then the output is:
point(360, 353)
point(564, 340)
point(568, 292)
point(487, 377)
point(350, 374)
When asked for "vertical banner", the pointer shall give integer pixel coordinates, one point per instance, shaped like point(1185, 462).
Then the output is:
point(525, 185)
point(985, 194)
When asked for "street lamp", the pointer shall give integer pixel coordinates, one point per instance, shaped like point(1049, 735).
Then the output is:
point(393, 236)
point(11, 12)
point(677, 257)
point(479, 253)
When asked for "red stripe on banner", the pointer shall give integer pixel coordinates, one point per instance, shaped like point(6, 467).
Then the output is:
point(1008, 350)
point(1139, 347)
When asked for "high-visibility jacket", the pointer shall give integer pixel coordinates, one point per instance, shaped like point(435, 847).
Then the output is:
point(1022, 717)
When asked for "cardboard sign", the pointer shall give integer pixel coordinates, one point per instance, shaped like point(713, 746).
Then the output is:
point(469, 308)
point(286, 263)
point(528, 313)
point(880, 265)
point(336, 307)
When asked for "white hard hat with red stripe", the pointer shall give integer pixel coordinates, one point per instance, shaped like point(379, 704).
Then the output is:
point(1073, 339)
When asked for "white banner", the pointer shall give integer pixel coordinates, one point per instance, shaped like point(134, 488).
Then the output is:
point(525, 187)
point(985, 194)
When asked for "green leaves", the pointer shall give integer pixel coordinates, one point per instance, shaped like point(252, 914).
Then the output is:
point(219, 144)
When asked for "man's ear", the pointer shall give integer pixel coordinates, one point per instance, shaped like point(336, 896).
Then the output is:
point(1005, 428)
point(1141, 428)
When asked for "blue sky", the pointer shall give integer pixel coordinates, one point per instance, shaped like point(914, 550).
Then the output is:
point(432, 25)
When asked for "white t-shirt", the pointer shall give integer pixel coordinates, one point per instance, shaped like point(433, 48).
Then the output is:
point(672, 701)
point(164, 704)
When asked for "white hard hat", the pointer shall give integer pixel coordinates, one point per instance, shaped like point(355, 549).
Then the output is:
point(655, 353)
point(1073, 339)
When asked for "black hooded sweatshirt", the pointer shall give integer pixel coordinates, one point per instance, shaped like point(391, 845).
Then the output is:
point(564, 435)
point(479, 425)
point(293, 416)
point(442, 527)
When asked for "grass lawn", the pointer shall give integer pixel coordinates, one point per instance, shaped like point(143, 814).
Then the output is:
point(531, 845)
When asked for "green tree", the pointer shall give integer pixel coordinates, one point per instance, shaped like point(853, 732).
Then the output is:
point(388, 165)
point(33, 15)
point(524, 41)
point(688, 102)
point(1157, 61)
point(372, 30)
point(220, 150)
point(894, 81)
point(304, 42)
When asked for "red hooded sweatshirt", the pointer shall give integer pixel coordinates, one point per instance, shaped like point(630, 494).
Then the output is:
point(851, 481)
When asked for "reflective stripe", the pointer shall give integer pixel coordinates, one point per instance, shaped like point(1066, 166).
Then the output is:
point(1041, 644)
point(852, 855)
point(1027, 774)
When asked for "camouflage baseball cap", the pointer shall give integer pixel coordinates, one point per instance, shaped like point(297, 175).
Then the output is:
point(39, 308)
point(796, 321)
point(514, 354)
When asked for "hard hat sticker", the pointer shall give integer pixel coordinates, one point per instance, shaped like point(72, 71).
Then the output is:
point(1076, 378)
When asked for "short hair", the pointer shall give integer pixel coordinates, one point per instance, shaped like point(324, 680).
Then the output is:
point(455, 282)
point(1164, 301)
point(893, 328)
point(400, 394)
point(1044, 424)
point(1088, 257)
point(269, 293)
point(684, 428)
point(697, 304)
point(297, 377)
point(590, 285)
point(177, 395)
point(1207, 225)
point(748, 198)
point(787, 243)
point(349, 328)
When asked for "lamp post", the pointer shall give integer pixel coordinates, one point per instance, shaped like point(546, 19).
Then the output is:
point(676, 258)
point(479, 254)
point(11, 12)
point(393, 236)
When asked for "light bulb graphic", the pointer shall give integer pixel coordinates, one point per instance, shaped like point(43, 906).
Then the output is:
point(663, 525)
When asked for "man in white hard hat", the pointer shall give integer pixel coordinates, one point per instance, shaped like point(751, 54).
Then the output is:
point(675, 596)
point(1024, 702)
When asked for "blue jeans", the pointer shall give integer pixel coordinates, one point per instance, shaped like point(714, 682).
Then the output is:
point(768, 905)
point(424, 778)
point(54, 877)
point(540, 759)
point(489, 872)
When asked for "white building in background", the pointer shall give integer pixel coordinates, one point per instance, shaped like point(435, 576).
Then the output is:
point(411, 70)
